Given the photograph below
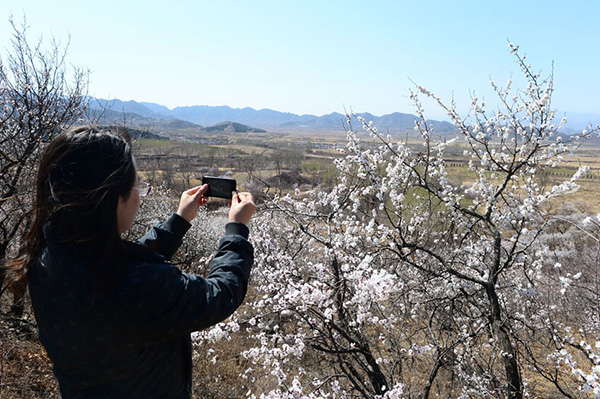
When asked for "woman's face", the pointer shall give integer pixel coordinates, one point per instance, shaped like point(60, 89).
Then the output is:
point(127, 209)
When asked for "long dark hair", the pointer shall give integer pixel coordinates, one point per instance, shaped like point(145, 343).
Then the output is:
point(81, 175)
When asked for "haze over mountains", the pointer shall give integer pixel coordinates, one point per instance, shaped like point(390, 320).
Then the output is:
point(204, 115)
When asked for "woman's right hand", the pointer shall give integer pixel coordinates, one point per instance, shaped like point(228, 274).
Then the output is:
point(242, 207)
point(191, 200)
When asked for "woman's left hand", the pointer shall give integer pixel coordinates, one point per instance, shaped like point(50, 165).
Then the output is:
point(191, 200)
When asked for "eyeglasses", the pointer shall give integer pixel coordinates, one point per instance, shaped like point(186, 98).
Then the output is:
point(143, 188)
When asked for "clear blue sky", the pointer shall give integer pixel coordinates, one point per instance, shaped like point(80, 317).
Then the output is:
point(308, 56)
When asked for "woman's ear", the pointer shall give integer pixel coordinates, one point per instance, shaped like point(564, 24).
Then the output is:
point(127, 207)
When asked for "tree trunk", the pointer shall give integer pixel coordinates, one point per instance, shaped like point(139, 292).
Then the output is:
point(511, 366)
point(432, 374)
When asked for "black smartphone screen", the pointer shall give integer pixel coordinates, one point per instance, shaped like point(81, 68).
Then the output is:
point(220, 187)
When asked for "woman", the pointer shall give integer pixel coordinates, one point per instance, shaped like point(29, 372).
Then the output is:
point(115, 317)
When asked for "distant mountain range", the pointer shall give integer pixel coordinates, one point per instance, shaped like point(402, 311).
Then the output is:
point(204, 115)
point(248, 119)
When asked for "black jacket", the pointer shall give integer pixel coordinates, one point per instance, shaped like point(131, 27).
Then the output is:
point(135, 342)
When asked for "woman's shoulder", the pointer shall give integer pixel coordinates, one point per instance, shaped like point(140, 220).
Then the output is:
point(146, 267)
point(138, 253)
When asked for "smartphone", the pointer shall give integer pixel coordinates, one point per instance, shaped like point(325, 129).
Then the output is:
point(220, 187)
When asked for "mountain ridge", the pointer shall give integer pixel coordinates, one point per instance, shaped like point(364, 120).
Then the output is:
point(207, 115)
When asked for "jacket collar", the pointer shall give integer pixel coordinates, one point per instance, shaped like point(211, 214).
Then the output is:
point(133, 251)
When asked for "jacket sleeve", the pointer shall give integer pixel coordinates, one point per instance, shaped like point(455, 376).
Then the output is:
point(178, 302)
point(165, 238)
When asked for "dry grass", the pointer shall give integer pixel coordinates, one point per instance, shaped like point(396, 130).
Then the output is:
point(217, 374)
point(25, 369)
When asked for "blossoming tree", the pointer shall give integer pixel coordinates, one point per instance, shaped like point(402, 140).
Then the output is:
point(38, 98)
point(404, 281)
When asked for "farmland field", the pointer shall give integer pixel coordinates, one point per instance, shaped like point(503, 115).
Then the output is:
point(309, 156)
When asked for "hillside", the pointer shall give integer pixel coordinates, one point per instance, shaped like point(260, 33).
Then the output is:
point(204, 115)
point(232, 127)
point(150, 116)
point(137, 134)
